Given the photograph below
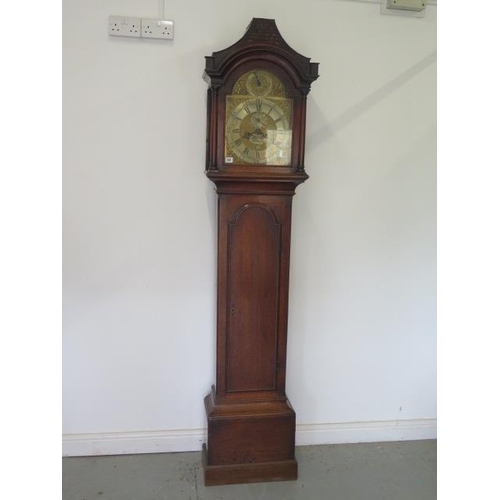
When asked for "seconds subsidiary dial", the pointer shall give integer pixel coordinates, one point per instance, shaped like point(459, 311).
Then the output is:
point(258, 83)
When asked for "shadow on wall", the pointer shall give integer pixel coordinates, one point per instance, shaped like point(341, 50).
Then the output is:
point(375, 97)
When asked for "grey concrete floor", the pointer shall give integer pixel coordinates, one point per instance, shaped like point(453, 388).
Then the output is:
point(370, 471)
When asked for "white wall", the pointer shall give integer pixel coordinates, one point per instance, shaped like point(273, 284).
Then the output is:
point(139, 226)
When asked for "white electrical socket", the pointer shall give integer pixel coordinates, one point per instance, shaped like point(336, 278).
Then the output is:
point(124, 26)
point(157, 28)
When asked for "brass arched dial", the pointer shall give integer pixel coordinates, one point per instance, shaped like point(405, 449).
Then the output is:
point(258, 121)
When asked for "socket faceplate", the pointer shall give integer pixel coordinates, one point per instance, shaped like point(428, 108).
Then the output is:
point(124, 26)
point(157, 28)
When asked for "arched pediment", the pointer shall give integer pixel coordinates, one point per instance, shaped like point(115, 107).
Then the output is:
point(261, 41)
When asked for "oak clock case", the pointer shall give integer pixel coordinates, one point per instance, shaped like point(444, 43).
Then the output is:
point(256, 109)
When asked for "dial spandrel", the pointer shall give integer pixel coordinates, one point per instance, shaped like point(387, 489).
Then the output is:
point(258, 121)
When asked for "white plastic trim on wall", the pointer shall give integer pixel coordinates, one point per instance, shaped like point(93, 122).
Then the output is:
point(128, 443)
point(429, 2)
point(366, 432)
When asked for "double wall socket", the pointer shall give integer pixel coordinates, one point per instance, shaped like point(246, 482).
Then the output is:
point(137, 27)
point(124, 26)
point(157, 28)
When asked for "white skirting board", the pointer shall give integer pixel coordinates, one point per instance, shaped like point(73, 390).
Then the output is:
point(128, 443)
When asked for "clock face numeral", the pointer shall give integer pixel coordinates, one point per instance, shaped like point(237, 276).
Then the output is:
point(258, 131)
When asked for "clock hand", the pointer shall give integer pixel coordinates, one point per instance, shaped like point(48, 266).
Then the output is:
point(257, 78)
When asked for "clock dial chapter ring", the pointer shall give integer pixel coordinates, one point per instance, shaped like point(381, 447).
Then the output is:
point(257, 131)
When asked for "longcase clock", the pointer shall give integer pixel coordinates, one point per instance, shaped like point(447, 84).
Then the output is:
point(255, 156)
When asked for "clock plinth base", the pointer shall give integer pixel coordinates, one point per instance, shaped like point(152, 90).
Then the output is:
point(249, 442)
point(285, 470)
